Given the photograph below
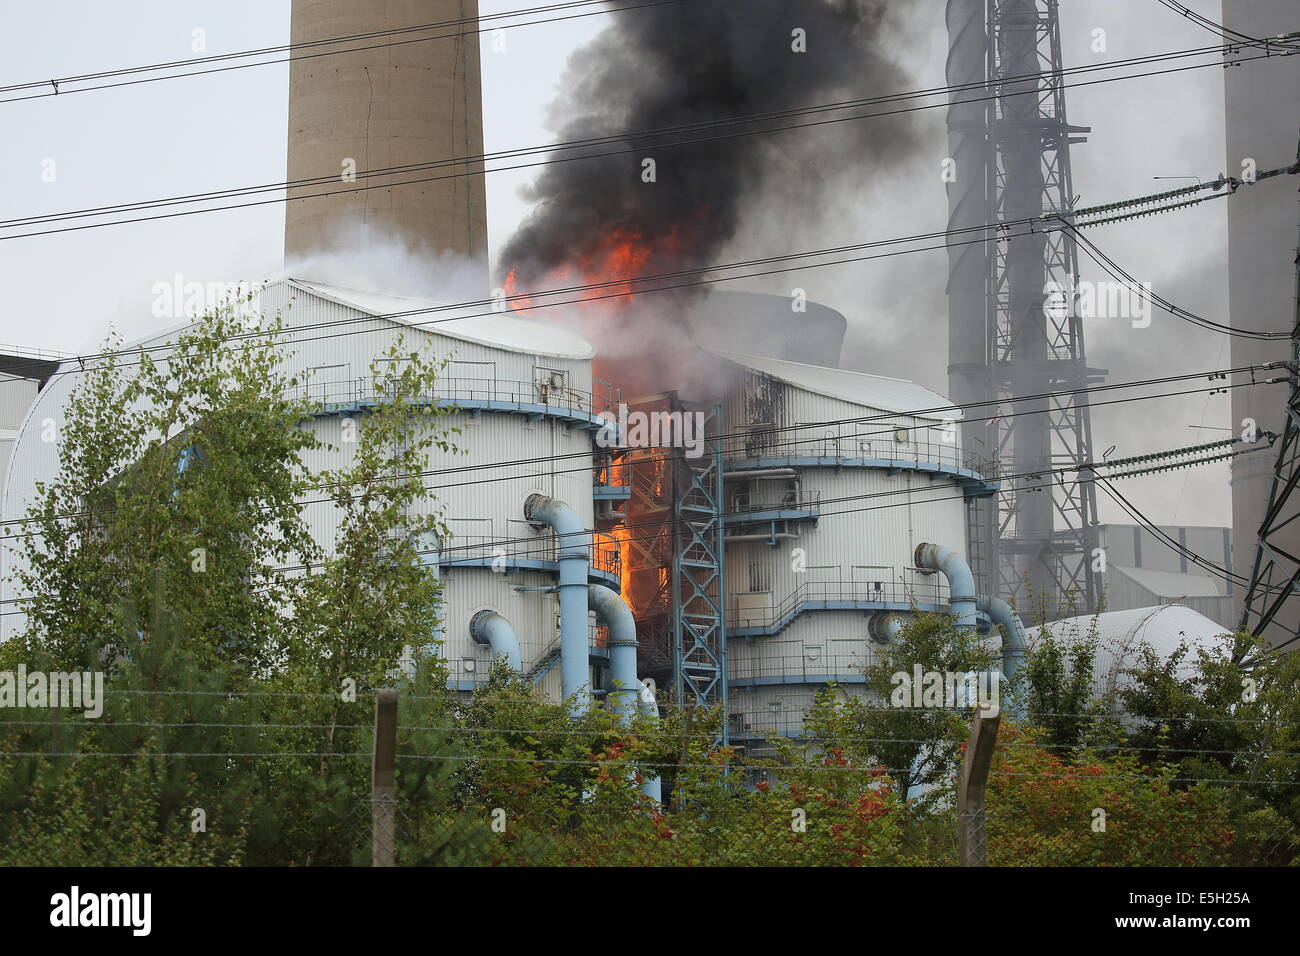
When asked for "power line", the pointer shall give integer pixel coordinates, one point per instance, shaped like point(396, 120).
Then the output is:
point(56, 84)
point(1223, 31)
point(1115, 271)
point(1222, 573)
point(542, 546)
point(496, 309)
point(1001, 228)
point(913, 413)
point(622, 136)
point(232, 193)
point(530, 298)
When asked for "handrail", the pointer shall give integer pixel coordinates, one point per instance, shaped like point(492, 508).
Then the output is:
point(816, 441)
point(606, 554)
point(369, 388)
point(888, 592)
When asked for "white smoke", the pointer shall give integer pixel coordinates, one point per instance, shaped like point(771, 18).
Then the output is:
point(361, 257)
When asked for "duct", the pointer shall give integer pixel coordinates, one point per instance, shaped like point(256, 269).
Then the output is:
point(769, 538)
point(651, 786)
point(490, 628)
point(968, 209)
point(1014, 644)
point(884, 627)
point(629, 694)
point(573, 548)
point(612, 611)
point(961, 583)
point(760, 473)
point(429, 553)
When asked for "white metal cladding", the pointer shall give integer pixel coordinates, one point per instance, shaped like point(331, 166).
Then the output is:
point(779, 708)
point(479, 491)
point(860, 546)
point(35, 458)
point(482, 505)
point(781, 420)
point(814, 648)
point(16, 396)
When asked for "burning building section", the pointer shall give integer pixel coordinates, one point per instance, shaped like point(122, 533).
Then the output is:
point(743, 591)
point(789, 516)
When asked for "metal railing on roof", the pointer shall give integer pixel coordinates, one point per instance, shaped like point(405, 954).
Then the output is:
point(521, 395)
point(882, 592)
point(605, 554)
point(915, 446)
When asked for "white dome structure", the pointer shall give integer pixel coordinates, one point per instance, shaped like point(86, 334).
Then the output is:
point(1121, 635)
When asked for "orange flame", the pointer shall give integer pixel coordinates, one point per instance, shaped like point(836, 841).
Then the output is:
point(613, 267)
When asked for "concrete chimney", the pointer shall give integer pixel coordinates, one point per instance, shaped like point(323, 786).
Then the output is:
point(413, 97)
point(1263, 114)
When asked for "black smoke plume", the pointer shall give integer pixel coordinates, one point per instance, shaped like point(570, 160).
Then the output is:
point(701, 64)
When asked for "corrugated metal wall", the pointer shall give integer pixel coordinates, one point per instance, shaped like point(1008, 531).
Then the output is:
point(483, 506)
point(860, 548)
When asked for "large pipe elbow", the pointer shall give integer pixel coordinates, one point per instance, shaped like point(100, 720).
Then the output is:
point(1014, 643)
point(490, 628)
point(961, 582)
point(612, 611)
point(571, 537)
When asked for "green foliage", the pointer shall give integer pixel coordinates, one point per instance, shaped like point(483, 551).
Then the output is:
point(1047, 810)
point(183, 468)
point(242, 685)
point(374, 595)
point(1055, 684)
point(1211, 720)
point(917, 745)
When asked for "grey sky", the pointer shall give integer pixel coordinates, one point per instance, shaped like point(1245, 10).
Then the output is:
point(226, 130)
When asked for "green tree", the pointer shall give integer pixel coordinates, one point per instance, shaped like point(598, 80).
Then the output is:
point(1209, 718)
point(916, 744)
point(1056, 685)
point(181, 468)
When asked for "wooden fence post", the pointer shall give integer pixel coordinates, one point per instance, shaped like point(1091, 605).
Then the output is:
point(383, 780)
point(972, 843)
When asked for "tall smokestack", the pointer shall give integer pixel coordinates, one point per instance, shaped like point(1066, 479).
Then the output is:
point(970, 381)
point(412, 97)
point(1262, 117)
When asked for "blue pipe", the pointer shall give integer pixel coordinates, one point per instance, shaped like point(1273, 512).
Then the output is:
point(573, 546)
point(651, 785)
point(1014, 643)
point(612, 611)
point(489, 627)
point(629, 694)
point(430, 554)
point(961, 583)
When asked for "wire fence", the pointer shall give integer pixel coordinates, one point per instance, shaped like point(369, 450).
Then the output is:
point(511, 782)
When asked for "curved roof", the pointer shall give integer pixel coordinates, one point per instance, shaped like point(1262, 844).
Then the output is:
point(1121, 634)
point(873, 391)
point(767, 326)
point(503, 330)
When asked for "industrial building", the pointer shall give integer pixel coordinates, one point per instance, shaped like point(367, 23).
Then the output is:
point(821, 507)
point(789, 547)
point(1144, 569)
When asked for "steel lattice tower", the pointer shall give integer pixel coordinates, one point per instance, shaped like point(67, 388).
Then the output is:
point(1270, 606)
point(1035, 541)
